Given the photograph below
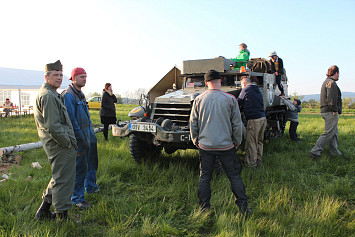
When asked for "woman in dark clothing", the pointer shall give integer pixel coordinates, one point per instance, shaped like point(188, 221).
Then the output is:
point(108, 108)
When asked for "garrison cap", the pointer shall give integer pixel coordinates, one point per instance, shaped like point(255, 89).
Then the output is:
point(57, 66)
point(212, 75)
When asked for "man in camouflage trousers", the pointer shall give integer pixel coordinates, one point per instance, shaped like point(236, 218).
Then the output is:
point(56, 133)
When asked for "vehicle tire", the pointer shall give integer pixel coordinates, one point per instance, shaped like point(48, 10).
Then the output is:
point(136, 147)
point(141, 150)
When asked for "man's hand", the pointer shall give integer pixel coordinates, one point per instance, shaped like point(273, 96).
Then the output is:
point(334, 113)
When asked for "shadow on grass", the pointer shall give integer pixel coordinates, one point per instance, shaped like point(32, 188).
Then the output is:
point(186, 159)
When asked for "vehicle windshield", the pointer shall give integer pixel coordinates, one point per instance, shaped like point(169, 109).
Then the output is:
point(200, 82)
point(194, 82)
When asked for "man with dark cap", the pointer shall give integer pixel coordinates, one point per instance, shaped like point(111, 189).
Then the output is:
point(216, 130)
point(330, 108)
point(86, 158)
point(56, 133)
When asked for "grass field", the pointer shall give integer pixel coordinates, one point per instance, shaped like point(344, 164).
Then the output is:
point(291, 195)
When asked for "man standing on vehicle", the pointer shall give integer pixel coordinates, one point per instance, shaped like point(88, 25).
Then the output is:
point(216, 129)
point(251, 103)
point(57, 136)
point(86, 158)
point(330, 108)
point(277, 68)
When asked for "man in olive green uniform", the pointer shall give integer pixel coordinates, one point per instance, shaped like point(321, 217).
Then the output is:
point(330, 108)
point(56, 133)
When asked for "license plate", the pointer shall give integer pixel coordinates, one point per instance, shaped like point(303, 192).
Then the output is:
point(142, 127)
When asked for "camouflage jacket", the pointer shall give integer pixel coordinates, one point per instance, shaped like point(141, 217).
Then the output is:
point(52, 120)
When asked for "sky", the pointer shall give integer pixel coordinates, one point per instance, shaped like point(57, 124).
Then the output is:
point(132, 44)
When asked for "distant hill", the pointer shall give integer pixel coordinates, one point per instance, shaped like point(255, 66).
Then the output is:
point(317, 96)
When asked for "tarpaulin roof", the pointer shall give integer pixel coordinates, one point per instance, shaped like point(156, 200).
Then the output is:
point(172, 77)
point(14, 79)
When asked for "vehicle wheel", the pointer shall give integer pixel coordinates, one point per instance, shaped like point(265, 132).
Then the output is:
point(159, 121)
point(141, 150)
point(167, 124)
point(136, 147)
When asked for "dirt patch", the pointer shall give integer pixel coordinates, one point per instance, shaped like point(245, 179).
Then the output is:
point(6, 162)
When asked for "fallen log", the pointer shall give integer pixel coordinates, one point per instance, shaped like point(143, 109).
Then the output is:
point(18, 148)
point(30, 146)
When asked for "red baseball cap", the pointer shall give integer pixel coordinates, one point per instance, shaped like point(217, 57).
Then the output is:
point(77, 71)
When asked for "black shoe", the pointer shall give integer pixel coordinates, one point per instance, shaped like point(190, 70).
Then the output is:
point(43, 212)
point(314, 156)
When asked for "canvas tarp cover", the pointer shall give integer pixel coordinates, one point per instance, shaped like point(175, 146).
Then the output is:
point(173, 76)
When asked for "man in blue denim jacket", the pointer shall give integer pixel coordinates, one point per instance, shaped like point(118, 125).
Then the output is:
point(86, 158)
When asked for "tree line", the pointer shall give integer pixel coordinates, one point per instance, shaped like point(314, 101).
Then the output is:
point(348, 103)
point(130, 97)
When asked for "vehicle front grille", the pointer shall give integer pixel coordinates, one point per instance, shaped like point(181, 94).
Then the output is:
point(178, 113)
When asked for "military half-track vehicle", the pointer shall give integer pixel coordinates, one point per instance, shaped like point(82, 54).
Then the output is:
point(162, 119)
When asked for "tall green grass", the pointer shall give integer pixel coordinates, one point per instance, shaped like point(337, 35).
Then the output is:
point(291, 195)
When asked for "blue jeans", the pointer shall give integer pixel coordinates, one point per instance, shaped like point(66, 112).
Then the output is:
point(293, 131)
point(231, 167)
point(86, 168)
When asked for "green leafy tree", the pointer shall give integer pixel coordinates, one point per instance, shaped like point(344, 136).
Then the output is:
point(119, 98)
point(297, 96)
point(349, 103)
point(89, 95)
point(311, 104)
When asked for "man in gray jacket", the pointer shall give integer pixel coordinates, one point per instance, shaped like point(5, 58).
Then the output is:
point(216, 129)
point(330, 108)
